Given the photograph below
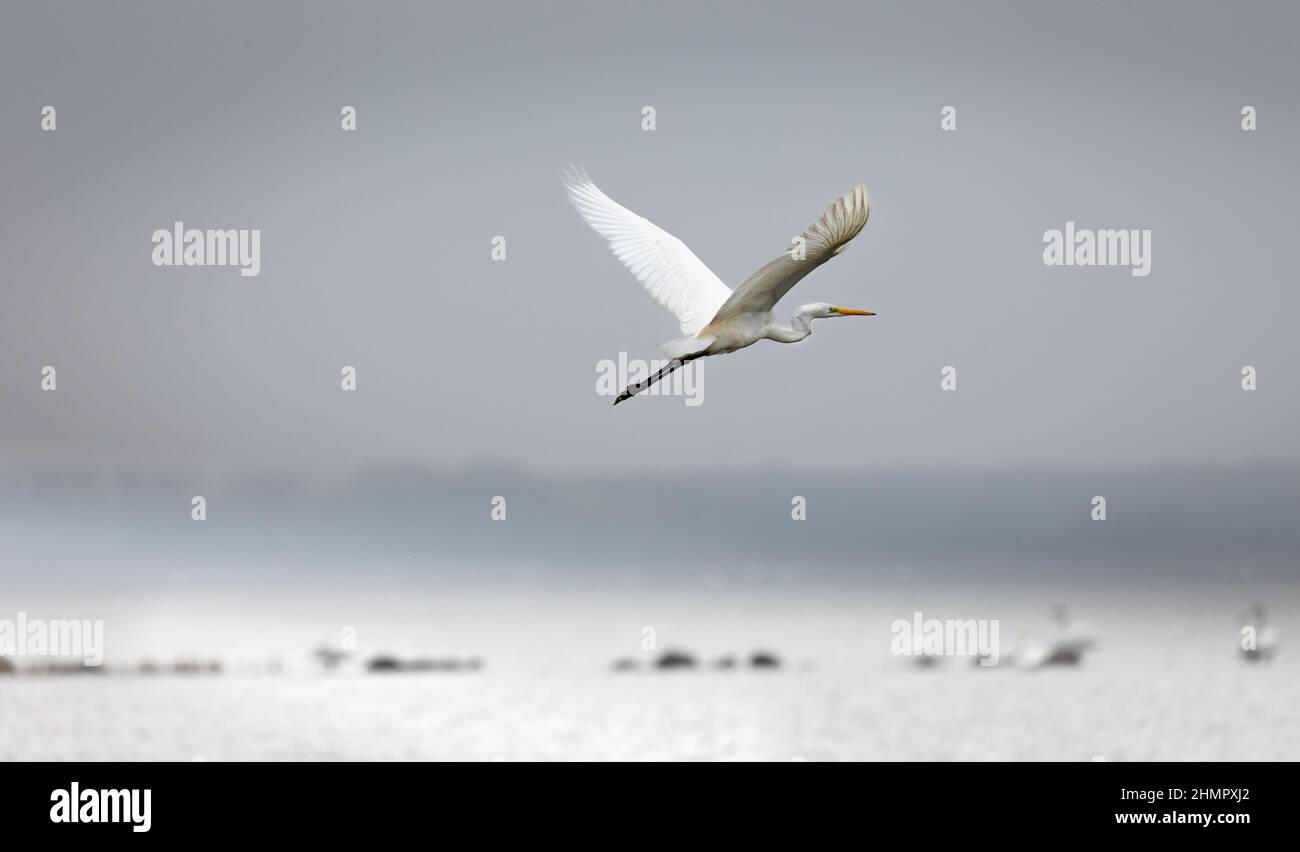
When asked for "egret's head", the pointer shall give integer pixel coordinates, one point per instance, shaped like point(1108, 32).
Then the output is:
point(825, 309)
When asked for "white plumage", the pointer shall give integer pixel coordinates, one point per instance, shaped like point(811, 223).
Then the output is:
point(823, 239)
point(669, 271)
point(714, 319)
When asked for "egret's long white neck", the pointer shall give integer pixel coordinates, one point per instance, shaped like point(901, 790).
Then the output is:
point(799, 328)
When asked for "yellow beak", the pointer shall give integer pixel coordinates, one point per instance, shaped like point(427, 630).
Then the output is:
point(849, 312)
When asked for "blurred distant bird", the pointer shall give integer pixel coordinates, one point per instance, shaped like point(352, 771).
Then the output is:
point(714, 319)
point(1072, 641)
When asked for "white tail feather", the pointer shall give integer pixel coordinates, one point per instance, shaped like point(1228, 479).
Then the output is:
point(685, 346)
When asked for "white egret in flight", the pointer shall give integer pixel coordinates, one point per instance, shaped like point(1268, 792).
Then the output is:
point(714, 319)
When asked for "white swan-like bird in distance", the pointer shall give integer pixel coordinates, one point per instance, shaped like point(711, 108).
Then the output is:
point(714, 319)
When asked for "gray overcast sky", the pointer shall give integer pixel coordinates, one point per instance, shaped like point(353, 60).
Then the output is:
point(375, 244)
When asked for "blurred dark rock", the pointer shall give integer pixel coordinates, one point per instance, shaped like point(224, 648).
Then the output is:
point(330, 658)
point(675, 660)
point(1063, 657)
point(63, 667)
point(387, 663)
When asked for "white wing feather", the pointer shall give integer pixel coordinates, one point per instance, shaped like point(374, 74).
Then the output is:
point(823, 239)
point(669, 271)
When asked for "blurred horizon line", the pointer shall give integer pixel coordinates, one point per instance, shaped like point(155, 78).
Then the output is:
point(1166, 520)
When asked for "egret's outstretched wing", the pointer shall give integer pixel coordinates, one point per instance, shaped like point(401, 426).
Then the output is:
point(669, 271)
point(822, 240)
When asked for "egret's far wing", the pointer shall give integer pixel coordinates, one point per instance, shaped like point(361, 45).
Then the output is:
point(669, 271)
point(821, 241)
